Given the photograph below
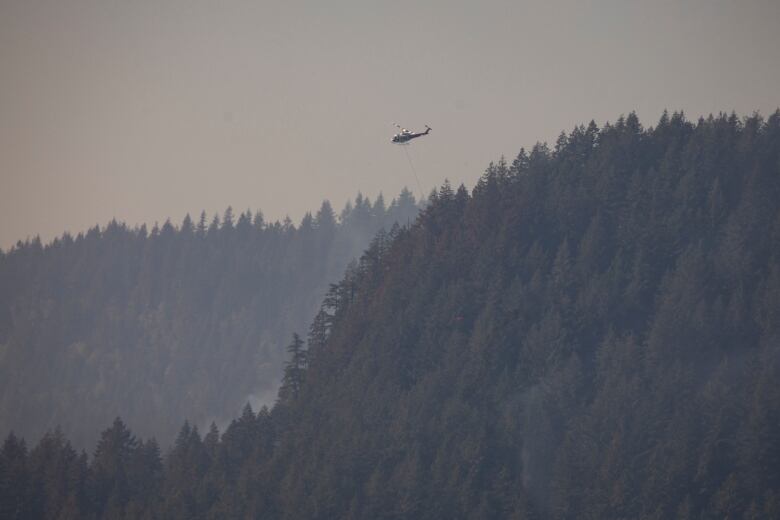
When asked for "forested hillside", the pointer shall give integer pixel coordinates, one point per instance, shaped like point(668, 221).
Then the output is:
point(162, 325)
point(592, 332)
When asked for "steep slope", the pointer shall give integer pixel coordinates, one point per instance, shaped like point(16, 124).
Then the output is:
point(594, 333)
point(163, 326)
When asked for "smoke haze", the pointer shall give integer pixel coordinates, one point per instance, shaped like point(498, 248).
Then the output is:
point(147, 110)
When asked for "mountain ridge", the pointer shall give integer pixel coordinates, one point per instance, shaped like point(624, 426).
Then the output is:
point(592, 332)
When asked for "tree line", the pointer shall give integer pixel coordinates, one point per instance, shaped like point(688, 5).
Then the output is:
point(169, 323)
point(591, 332)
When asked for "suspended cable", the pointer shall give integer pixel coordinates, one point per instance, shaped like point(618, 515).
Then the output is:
point(419, 187)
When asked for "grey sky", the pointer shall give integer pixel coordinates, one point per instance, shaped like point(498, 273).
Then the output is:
point(143, 110)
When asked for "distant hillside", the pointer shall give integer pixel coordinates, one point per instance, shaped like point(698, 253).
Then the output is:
point(593, 332)
point(160, 326)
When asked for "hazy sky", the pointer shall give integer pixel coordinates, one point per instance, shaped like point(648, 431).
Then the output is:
point(143, 110)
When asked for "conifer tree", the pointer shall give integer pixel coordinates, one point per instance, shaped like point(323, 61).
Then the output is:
point(294, 370)
point(15, 485)
point(112, 469)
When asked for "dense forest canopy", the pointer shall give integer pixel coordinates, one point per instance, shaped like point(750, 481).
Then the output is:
point(592, 332)
point(173, 323)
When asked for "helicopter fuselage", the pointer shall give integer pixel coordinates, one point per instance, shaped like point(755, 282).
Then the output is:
point(405, 137)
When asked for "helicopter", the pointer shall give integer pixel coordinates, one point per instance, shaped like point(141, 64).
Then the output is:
point(405, 136)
